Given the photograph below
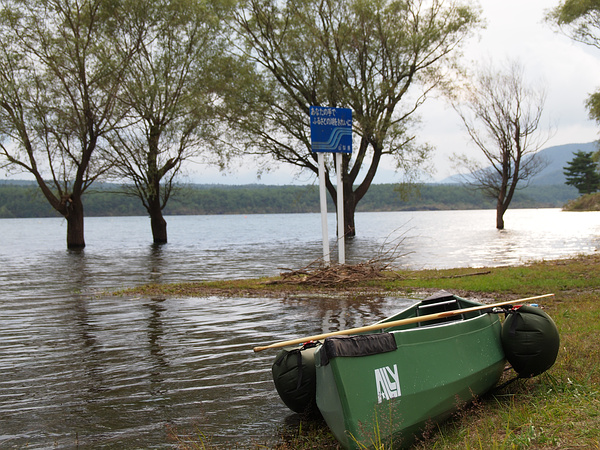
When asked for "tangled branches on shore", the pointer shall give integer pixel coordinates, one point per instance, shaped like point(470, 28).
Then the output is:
point(317, 273)
point(333, 275)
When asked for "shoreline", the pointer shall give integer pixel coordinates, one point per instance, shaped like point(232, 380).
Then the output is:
point(480, 282)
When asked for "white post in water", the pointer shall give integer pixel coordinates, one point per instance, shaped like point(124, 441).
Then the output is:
point(323, 199)
point(340, 210)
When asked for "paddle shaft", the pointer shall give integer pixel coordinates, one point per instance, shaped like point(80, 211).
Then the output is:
point(395, 323)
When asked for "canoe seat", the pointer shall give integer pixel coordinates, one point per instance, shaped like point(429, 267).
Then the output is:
point(433, 307)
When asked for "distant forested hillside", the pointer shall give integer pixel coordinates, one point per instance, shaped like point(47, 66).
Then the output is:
point(26, 200)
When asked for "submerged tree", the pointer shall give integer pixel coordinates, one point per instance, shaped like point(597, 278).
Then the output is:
point(502, 116)
point(379, 58)
point(171, 93)
point(61, 66)
point(582, 173)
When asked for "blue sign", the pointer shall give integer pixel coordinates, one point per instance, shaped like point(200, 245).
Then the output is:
point(331, 129)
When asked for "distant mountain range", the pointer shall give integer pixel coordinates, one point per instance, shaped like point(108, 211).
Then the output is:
point(557, 157)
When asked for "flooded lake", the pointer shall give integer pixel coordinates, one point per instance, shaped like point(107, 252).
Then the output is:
point(81, 368)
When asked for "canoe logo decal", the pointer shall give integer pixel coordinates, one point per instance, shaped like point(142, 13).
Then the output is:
point(388, 383)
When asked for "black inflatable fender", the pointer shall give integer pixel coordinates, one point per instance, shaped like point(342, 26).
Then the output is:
point(530, 340)
point(295, 377)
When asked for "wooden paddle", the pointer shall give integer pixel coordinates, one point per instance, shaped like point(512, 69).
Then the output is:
point(395, 323)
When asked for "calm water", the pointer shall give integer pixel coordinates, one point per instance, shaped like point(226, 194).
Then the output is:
point(81, 368)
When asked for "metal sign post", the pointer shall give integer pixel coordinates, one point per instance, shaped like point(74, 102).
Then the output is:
point(340, 210)
point(323, 201)
point(331, 132)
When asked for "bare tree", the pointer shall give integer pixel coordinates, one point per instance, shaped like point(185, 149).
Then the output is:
point(502, 116)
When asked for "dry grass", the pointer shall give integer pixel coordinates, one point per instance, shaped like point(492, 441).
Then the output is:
point(588, 202)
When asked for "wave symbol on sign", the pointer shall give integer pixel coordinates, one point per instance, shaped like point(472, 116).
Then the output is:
point(334, 140)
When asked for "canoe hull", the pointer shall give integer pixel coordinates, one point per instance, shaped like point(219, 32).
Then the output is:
point(388, 397)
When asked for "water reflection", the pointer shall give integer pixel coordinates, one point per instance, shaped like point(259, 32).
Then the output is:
point(156, 262)
point(338, 313)
point(115, 372)
point(156, 336)
point(85, 333)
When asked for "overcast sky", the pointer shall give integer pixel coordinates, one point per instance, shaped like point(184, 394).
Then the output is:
point(515, 29)
point(568, 70)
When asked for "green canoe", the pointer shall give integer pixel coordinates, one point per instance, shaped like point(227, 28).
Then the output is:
point(384, 387)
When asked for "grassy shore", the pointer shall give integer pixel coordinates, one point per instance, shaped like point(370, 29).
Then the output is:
point(587, 202)
point(557, 410)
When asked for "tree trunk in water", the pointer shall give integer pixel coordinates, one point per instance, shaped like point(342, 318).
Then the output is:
point(157, 222)
point(159, 228)
point(501, 201)
point(500, 210)
point(74, 217)
point(349, 209)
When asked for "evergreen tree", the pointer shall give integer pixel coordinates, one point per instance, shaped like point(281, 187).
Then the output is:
point(582, 173)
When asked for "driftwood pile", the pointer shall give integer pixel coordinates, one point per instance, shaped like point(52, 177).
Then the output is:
point(334, 275)
point(320, 274)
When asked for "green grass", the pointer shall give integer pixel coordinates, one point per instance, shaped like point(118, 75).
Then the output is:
point(558, 409)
